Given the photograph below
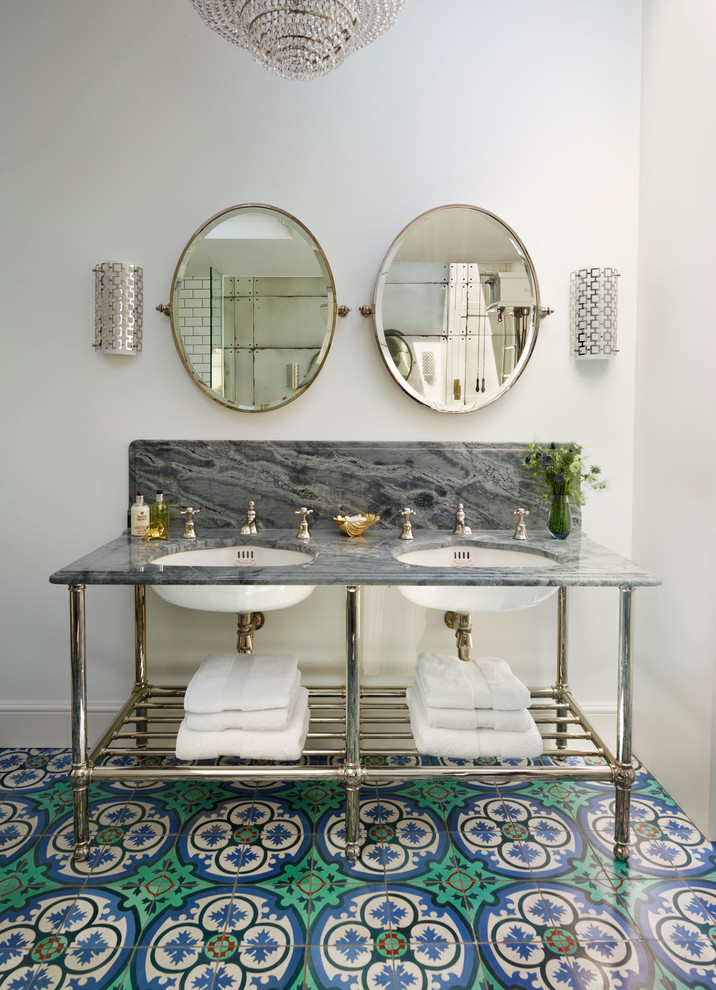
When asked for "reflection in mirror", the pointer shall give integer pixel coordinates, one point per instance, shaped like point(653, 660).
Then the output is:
point(456, 308)
point(253, 308)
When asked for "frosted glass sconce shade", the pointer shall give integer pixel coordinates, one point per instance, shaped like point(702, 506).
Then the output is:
point(593, 312)
point(118, 308)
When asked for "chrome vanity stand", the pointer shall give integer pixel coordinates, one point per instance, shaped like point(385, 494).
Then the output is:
point(353, 729)
point(347, 724)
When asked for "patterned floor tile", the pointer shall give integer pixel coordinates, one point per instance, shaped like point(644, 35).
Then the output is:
point(90, 966)
point(467, 788)
point(513, 929)
point(433, 795)
point(21, 824)
point(654, 857)
point(74, 939)
point(255, 840)
point(704, 889)
point(15, 949)
point(493, 855)
point(312, 797)
point(545, 840)
point(566, 795)
point(400, 848)
point(55, 801)
point(11, 760)
point(528, 964)
point(423, 936)
point(603, 944)
point(22, 879)
point(610, 884)
point(32, 770)
point(682, 919)
point(429, 899)
point(394, 806)
point(188, 798)
point(361, 967)
point(687, 962)
point(216, 965)
point(211, 885)
point(125, 836)
point(433, 960)
point(150, 894)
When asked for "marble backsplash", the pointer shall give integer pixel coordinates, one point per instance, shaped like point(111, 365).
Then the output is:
point(220, 476)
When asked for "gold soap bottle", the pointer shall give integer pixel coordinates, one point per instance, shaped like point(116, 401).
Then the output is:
point(160, 513)
point(139, 516)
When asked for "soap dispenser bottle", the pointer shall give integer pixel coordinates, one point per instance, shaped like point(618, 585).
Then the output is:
point(159, 514)
point(139, 516)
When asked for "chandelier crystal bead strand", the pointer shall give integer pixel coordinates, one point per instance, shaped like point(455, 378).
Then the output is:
point(299, 39)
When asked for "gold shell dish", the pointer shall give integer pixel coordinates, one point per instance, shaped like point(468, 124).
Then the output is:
point(355, 525)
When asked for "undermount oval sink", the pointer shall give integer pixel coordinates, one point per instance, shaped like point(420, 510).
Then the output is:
point(231, 597)
point(476, 598)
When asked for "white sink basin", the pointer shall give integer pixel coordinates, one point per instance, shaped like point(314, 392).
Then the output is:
point(234, 598)
point(476, 598)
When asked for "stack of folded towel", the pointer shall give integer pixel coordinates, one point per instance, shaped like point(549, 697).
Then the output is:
point(469, 710)
point(247, 705)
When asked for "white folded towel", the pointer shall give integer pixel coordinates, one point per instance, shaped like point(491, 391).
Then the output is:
point(470, 744)
point(448, 682)
point(472, 718)
point(244, 682)
point(262, 719)
point(283, 744)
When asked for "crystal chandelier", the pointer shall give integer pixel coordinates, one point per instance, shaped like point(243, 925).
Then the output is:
point(299, 39)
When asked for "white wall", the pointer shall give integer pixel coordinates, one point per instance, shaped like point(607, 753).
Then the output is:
point(675, 470)
point(530, 110)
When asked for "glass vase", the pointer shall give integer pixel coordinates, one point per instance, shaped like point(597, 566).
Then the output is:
point(560, 516)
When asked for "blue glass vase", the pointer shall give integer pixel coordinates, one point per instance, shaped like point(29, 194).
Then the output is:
point(559, 522)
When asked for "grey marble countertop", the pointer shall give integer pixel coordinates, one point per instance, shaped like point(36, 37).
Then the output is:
point(334, 559)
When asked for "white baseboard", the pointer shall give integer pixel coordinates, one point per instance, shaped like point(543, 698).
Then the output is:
point(43, 723)
point(48, 723)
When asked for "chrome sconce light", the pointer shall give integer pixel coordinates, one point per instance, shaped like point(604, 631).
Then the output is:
point(593, 312)
point(118, 308)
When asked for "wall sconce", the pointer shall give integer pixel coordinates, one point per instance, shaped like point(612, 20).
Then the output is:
point(118, 308)
point(593, 312)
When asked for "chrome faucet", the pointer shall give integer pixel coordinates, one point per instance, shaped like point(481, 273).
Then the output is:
point(249, 526)
point(303, 533)
point(521, 527)
point(460, 528)
point(406, 533)
point(189, 531)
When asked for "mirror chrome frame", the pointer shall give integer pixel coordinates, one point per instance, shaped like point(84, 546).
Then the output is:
point(174, 310)
point(532, 332)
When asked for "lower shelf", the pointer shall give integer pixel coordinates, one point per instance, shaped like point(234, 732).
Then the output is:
point(146, 730)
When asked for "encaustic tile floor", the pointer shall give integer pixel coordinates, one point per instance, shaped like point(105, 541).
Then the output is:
point(225, 886)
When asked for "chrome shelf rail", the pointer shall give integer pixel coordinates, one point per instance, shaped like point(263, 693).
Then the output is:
point(355, 731)
point(382, 711)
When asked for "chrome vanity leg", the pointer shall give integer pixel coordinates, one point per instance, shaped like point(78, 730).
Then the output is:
point(623, 771)
point(79, 773)
point(562, 685)
point(353, 772)
point(140, 658)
